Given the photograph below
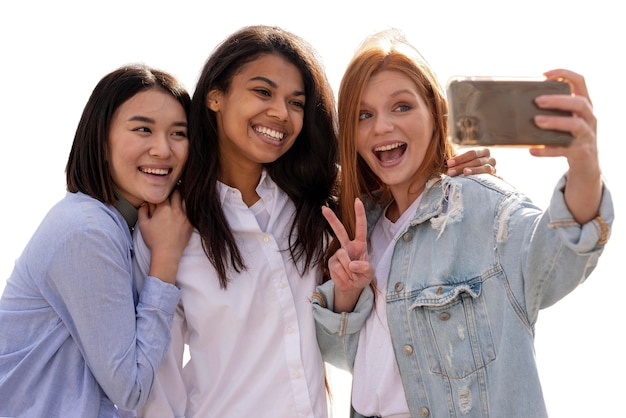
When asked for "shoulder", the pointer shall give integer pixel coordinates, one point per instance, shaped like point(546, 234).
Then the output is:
point(78, 213)
point(474, 193)
point(481, 184)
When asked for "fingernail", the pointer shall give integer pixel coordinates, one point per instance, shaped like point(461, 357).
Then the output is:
point(541, 119)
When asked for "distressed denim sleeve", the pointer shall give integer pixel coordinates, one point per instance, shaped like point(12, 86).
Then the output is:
point(562, 252)
point(338, 333)
point(587, 238)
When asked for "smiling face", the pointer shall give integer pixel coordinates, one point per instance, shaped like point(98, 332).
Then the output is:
point(394, 131)
point(147, 146)
point(260, 116)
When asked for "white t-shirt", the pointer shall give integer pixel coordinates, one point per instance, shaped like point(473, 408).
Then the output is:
point(377, 388)
point(252, 347)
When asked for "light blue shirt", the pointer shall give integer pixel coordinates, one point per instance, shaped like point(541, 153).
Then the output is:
point(468, 278)
point(75, 338)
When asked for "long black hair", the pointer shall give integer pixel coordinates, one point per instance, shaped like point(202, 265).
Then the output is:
point(307, 172)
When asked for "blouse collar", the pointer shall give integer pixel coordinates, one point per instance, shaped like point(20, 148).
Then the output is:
point(128, 211)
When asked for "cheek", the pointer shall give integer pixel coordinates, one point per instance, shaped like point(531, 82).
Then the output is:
point(182, 151)
point(113, 160)
point(298, 123)
point(361, 146)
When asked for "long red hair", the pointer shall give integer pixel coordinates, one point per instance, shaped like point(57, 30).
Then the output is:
point(386, 50)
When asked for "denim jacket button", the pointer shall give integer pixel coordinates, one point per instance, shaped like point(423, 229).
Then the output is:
point(424, 411)
point(407, 237)
point(444, 316)
point(407, 350)
point(398, 287)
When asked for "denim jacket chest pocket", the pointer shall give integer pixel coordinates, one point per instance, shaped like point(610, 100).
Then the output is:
point(453, 328)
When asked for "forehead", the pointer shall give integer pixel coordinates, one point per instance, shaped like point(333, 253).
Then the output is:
point(273, 67)
point(386, 79)
point(150, 101)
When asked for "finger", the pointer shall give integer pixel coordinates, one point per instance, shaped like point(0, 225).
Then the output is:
point(463, 158)
point(343, 258)
point(361, 221)
point(486, 168)
point(177, 202)
point(575, 80)
point(551, 151)
point(142, 213)
point(360, 267)
point(336, 226)
point(337, 272)
point(578, 127)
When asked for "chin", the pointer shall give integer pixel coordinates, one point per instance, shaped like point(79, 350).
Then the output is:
point(156, 199)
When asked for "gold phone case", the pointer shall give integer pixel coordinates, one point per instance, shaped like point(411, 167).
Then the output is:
point(492, 111)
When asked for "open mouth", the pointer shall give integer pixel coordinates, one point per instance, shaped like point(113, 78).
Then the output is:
point(391, 152)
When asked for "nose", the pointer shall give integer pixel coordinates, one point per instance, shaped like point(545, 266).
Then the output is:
point(278, 109)
point(160, 146)
point(382, 124)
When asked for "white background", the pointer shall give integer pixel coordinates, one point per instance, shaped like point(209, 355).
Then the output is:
point(52, 53)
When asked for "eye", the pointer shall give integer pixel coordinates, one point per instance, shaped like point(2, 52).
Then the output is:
point(298, 103)
point(182, 134)
point(364, 115)
point(263, 92)
point(143, 129)
point(403, 108)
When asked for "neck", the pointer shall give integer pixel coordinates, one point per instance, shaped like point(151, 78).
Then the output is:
point(402, 199)
point(246, 181)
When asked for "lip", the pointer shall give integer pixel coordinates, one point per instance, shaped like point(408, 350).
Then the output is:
point(158, 171)
point(270, 134)
point(389, 153)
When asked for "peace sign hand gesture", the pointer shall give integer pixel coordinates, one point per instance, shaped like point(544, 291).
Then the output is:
point(349, 267)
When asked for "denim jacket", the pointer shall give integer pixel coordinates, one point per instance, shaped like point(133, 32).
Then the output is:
point(468, 277)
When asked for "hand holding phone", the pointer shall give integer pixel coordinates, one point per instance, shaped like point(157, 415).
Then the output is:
point(492, 111)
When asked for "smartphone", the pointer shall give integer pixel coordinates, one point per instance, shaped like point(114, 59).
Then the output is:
point(498, 111)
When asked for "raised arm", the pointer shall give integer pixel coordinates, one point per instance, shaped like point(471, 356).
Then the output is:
point(166, 231)
point(349, 267)
point(583, 189)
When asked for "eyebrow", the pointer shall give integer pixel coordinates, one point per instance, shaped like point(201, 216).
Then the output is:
point(274, 85)
point(139, 118)
point(395, 93)
point(401, 91)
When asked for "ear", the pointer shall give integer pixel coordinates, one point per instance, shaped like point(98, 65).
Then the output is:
point(213, 100)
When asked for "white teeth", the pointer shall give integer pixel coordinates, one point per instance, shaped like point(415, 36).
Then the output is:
point(388, 147)
point(156, 171)
point(269, 132)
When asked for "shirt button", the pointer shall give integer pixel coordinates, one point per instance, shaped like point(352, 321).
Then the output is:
point(398, 286)
point(289, 330)
point(444, 316)
point(407, 350)
point(424, 411)
point(266, 239)
point(281, 285)
point(407, 237)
